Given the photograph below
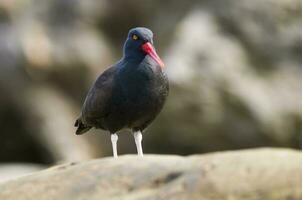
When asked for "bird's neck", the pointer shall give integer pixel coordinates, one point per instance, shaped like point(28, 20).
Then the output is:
point(133, 58)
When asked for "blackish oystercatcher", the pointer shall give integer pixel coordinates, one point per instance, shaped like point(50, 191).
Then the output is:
point(129, 94)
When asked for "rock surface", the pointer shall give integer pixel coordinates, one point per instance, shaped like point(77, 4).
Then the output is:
point(14, 170)
point(269, 174)
point(235, 74)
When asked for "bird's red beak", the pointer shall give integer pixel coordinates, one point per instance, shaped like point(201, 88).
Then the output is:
point(149, 49)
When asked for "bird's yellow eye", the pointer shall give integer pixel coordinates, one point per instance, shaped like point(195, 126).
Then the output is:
point(134, 37)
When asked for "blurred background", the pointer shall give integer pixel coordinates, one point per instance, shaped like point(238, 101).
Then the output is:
point(235, 70)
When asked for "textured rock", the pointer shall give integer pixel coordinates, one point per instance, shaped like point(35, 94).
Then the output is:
point(14, 170)
point(55, 132)
point(251, 175)
point(47, 57)
point(235, 78)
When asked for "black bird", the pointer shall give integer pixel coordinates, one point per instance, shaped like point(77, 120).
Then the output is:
point(129, 94)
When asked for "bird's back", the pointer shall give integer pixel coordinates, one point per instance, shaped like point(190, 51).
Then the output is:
point(97, 102)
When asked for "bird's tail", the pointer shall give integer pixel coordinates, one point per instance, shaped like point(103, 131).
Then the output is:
point(82, 128)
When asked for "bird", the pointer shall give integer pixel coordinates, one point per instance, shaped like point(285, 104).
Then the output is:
point(129, 94)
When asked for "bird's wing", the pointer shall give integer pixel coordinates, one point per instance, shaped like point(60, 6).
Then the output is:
point(97, 102)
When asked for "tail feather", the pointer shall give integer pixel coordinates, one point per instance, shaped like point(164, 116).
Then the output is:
point(82, 128)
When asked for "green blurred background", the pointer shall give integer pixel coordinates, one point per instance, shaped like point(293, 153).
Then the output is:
point(235, 70)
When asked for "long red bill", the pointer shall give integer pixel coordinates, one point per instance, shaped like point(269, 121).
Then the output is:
point(149, 49)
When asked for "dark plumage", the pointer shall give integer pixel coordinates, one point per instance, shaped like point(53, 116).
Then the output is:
point(130, 93)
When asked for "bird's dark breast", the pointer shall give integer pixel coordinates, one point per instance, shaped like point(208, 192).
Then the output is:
point(138, 96)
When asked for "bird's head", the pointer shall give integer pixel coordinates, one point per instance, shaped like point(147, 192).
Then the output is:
point(139, 43)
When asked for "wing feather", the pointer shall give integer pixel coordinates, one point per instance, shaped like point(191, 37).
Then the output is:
point(97, 103)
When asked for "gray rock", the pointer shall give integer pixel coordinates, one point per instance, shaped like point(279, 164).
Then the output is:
point(269, 174)
point(235, 78)
point(15, 170)
point(53, 123)
point(47, 56)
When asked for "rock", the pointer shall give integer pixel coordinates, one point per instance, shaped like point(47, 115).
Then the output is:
point(269, 174)
point(14, 170)
point(48, 60)
point(53, 125)
point(235, 79)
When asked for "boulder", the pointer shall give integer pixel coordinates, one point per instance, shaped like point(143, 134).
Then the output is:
point(14, 170)
point(255, 174)
point(235, 78)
